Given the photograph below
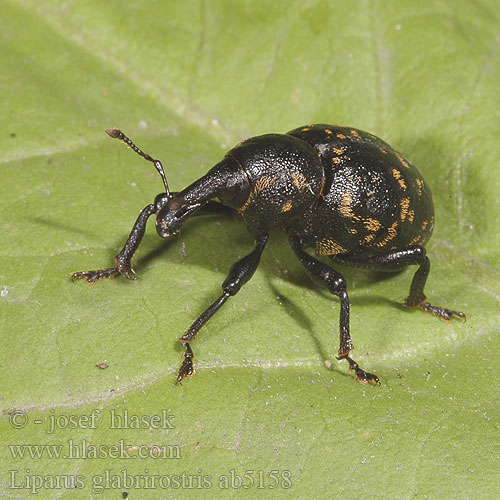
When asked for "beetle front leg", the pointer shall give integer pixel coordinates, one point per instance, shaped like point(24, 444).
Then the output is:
point(239, 274)
point(123, 258)
point(336, 284)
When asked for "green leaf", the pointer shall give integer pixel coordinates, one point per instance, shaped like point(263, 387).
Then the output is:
point(188, 80)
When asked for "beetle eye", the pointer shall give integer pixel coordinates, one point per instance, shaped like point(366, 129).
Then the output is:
point(175, 204)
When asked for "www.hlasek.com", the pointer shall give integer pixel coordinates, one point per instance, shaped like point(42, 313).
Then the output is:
point(84, 450)
point(108, 480)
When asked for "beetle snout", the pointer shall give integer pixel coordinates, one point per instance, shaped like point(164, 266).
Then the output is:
point(167, 219)
point(164, 230)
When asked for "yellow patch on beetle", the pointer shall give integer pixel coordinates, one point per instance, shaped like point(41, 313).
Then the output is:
point(329, 247)
point(402, 161)
point(417, 239)
point(391, 233)
point(263, 183)
point(305, 129)
point(286, 207)
point(322, 185)
point(341, 136)
point(397, 175)
point(338, 151)
point(328, 131)
point(243, 207)
point(369, 237)
point(382, 150)
point(419, 186)
point(336, 160)
point(353, 231)
point(345, 206)
point(411, 215)
point(299, 180)
point(372, 224)
point(354, 133)
point(424, 224)
point(405, 203)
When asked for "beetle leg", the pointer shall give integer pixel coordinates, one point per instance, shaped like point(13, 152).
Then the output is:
point(215, 208)
point(239, 274)
point(396, 261)
point(123, 258)
point(336, 284)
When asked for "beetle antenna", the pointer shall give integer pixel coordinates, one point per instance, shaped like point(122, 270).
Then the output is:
point(118, 134)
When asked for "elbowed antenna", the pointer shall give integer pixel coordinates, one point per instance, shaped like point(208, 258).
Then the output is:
point(118, 134)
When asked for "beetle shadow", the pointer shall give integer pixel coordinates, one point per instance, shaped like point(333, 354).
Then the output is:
point(210, 223)
point(297, 313)
point(278, 248)
point(60, 226)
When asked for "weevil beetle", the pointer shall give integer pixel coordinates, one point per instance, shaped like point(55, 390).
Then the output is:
point(343, 192)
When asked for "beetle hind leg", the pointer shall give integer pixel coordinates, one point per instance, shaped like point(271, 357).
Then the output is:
point(417, 297)
point(396, 261)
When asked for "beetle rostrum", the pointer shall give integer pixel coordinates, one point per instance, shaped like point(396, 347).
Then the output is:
point(343, 192)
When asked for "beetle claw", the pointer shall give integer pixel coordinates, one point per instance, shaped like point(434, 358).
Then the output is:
point(128, 272)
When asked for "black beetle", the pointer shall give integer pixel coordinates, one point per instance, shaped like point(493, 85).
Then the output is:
point(344, 192)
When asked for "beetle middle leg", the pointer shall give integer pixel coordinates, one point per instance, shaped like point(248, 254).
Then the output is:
point(239, 274)
point(336, 284)
point(396, 261)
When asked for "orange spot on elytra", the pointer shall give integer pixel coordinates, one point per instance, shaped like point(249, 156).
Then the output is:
point(405, 203)
point(329, 247)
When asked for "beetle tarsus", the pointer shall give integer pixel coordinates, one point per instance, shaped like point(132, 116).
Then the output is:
point(361, 376)
point(441, 312)
point(187, 368)
point(92, 276)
